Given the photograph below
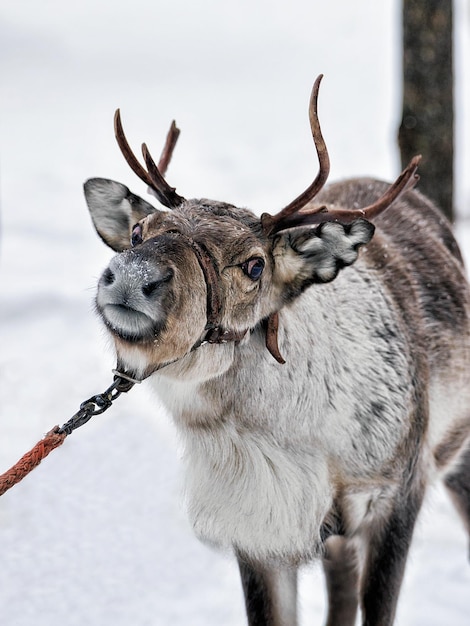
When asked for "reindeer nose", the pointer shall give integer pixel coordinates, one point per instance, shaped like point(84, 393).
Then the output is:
point(132, 291)
point(132, 294)
point(148, 284)
point(130, 276)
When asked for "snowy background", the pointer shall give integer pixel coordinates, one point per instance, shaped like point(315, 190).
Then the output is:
point(97, 535)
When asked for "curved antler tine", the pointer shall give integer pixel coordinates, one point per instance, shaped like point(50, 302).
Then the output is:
point(166, 194)
point(274, 223)
point(407, 179)
point(153, 177)
point(167, 152)
point(320, 145)
point(130, 157)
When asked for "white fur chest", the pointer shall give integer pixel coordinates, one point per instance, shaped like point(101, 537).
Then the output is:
point(244, 491)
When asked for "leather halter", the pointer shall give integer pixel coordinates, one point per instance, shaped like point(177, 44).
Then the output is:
point(214, 333)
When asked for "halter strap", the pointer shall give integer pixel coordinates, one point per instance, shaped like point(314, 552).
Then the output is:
point(214, 333)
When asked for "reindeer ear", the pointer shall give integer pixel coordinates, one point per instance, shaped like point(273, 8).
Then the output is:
point(315, 255)
point(114, 211)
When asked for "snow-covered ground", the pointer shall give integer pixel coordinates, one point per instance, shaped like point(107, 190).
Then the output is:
point(97, 535)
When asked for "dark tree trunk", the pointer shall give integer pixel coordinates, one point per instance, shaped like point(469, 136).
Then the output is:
point(427, 125)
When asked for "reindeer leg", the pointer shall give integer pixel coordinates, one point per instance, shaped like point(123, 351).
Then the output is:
point(386, 559)
point(270, 594)
point(342, 581)
point(458, 485)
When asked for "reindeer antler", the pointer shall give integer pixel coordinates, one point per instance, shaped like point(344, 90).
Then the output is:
point(274, 223)
point(293, 215)
point(406, 180)
point(167, 152)
point(153, 176)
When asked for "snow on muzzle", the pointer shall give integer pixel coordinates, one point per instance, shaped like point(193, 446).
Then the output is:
point(134, 295)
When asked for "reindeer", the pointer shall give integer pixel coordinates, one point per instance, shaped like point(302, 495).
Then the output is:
point(316, 365)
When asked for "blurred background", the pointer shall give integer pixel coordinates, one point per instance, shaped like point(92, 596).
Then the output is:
point(98, 533)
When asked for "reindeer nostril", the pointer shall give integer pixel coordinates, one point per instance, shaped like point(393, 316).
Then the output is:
point(150, 288)
point(108, 277)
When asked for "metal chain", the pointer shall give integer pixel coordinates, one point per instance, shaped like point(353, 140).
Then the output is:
point(97, 404)
point(54, 438)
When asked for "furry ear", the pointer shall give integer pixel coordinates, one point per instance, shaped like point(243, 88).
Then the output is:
point(304, 256)
point(114, 211)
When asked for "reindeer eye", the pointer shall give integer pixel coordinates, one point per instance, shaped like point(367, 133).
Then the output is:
point(136, 236)
point(253, 268)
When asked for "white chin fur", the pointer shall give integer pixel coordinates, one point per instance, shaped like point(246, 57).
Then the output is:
point(133, 360)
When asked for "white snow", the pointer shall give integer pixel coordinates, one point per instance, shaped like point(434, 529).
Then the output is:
point(97, 534)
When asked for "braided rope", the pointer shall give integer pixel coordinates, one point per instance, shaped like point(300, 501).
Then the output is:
point(53, 439)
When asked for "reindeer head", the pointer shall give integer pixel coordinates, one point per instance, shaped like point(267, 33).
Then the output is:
point(206, 272)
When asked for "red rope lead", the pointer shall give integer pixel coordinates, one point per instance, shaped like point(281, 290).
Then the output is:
point(31, 459)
